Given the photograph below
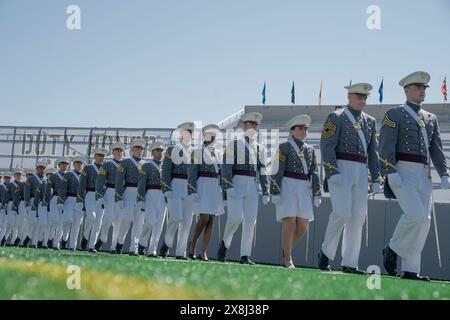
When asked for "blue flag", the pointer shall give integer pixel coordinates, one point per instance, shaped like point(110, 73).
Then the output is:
point(293, 93)
point(264, 94)
point(380, 91)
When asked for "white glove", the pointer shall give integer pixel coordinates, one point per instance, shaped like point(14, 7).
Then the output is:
point(168, 194)
point(231, 193)
point(140, 206)
point(276, 200)
point(79, 206)
point(119, 204)
point(317, 201)
point(336, 179)
point(60, 207)
point(101, 202)
point(376, 187)
point(445, 184)
point(194, 197)
point(266, 199)
point(394, 180)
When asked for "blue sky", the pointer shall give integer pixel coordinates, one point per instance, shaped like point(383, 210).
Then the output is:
point(159, 63)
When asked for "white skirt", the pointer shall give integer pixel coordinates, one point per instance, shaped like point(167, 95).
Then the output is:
point(210, 197)
point(296, 200)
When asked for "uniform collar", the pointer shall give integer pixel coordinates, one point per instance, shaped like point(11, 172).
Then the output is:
point(117, 161)
point(298, 142)
point(61, 172)
point(355, 113)
point(97, 165)
point(78, 173)
point(415, 107)
point(137, 159)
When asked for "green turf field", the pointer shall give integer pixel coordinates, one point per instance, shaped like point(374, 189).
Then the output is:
point(42, 274)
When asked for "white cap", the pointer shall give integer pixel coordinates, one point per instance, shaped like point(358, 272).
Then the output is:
point(419, 77)
point(253, 117)
point(139, 142)
point(29, 171)
point(118, 145)
point(42, 163)
point(211, 128)
point(7, 175)
point(187, 126)
point(78, 159)
point(62, 160)
point(100, 151)
point(18, 171)
point(359, 88)
point(156, 145)
point(300, 120)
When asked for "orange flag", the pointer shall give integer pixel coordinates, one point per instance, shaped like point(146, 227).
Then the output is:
point(444, 89)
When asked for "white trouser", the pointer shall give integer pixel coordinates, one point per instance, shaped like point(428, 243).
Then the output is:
point(22, 221)
point(42, 230)
point(95, 228)
point(67, 217)
point(349, 202)
point(414, 198)
point(108, 214)
point(242, 209)
point(55, 222)
point(90, 214)
point(180, 216)
point(2, 222)
point(9, 222)
point(33, 224)
point(138, 222)
point(129, 199)
point(155, 206)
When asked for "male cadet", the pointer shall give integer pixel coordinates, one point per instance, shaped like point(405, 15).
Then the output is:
point(126, 193)
point(29, 227)
point(347, 145)
point(409, 139)
point(86, 198)
point(37, 217)
point(9, 221)
point(67, 197)
point(51, 198)
point(19, 207)
point(3, 196)
point(5, 199)
point(244, 160)
point(151, 199)
point(105, 188)
point(174, 182)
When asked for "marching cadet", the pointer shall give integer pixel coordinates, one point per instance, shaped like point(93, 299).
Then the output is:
point(72, 217)
point(5, 198)
point(105, 187)
point(9, 221)
point(29, 227)
point(347, 145)
point(86, 199)
point(37, 215)
point(19, 207)
point(174, 181)
point(204, 176)
point(244, 160)
point(409, 140)
point(151, 199)
point(51, 198)
point(47, 242)
point(290, 188)
point(126, 194)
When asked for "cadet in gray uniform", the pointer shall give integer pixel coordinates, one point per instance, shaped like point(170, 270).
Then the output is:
point(19, 208)
point(51, 199)
point(290, 192)
point(105, 188)
point(86, 198)
point(243, 162)
point(11, 214)
point(409, 140)
point(3, 198)
point(126, 194)
point(174, 182)
point(29, 227)
point(208, 200)
point(348, 145)
point(72, 217)
point(6, 199)
point(37, 215)
point(151, 199)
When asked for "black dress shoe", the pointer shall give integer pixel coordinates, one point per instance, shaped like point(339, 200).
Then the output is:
point(119, 248)
point(246, 260)
point(44, 247)
point(164, 251)
point(390, 261)
point(98, 245)
point(191, 256)
point(414, 276)
point(26, 241)
point(84, 244)
point(133, 253)
point(50, 243)
point(92, 250)
point(181, 258)
point(141, 250)
point(16, 243)
point(39, 244)
point(323, 261)
point(112, 251)
point(151, 255)
point(352, 270)
point(222, 252)
point(200, 257)
point(2, 243)
point(71, 249)
point(63, 245)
